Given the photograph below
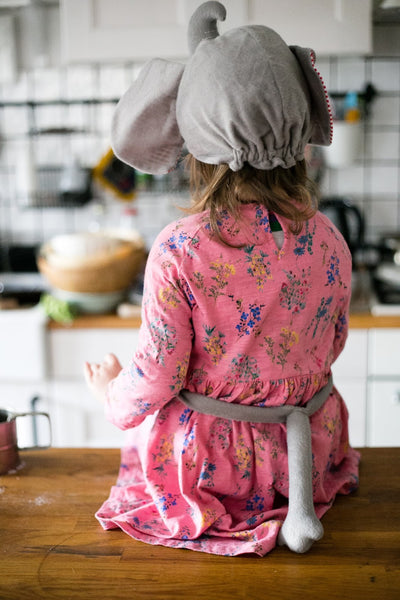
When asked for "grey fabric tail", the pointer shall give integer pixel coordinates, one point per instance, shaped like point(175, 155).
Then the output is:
point(301, 527)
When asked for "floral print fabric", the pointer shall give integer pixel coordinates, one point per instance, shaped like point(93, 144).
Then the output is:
point(246, 323)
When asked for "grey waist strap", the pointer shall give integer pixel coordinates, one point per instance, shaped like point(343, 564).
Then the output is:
point(252, 414)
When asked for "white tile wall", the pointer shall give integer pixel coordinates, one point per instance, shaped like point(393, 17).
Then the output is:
point(372, 181)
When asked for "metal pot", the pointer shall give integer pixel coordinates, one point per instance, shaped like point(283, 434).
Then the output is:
point(9, 456)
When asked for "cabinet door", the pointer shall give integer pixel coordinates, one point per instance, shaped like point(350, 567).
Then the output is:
point(352, 362)
point(101, 31)
point(69, 349)
point(384, 352)
point(327, 26)
point(384, 413)
point(78, 419)
point(353, 392)
point(350, 378)
point(22, 345)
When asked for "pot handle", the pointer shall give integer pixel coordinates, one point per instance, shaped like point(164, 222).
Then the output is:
point(36, 414)
point(360, 221)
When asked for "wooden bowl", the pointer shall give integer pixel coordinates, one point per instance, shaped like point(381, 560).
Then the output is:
point(102, 272)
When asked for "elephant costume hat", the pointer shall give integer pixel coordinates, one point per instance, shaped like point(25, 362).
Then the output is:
point(242, 97)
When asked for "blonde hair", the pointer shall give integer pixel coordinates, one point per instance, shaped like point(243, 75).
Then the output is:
point(286, 192)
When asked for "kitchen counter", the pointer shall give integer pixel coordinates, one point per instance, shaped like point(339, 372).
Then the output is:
point(52, 547)
point(357, 321)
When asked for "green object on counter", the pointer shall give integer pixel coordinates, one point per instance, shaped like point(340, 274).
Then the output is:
point(58, 310)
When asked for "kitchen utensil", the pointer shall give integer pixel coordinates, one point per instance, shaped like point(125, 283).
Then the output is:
point(75, 184)
point(26, 174)
point(21, 258)
point(347, 218)
point(386, 276)
point(390, 247)
point(386, 279)
point(9, 449)
point(116, 176)
point(346, 144)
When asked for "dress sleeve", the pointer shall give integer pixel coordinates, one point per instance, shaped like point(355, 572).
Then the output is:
point(157, 371)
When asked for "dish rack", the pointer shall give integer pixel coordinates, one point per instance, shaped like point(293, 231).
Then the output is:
point(47, 193)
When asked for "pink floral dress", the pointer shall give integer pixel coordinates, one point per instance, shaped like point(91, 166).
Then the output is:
point(251, 324)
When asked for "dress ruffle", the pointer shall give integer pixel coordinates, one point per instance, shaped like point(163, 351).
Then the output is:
point(169, 493)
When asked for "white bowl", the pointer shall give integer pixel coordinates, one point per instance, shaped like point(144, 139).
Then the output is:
point(91, 303)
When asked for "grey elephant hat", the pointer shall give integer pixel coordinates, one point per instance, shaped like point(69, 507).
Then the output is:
point(243, 97)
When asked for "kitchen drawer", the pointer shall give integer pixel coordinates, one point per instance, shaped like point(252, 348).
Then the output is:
point(352, 362)
point(383, 416)
point(23, 345)
point(384, 353)
point(69, 349)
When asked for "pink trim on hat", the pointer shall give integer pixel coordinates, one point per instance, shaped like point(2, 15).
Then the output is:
point(312, 56)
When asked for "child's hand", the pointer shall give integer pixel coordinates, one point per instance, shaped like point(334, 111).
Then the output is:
point(98, 376)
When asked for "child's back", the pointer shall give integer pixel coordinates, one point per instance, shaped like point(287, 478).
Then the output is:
point(229, 313)
point(250, 325)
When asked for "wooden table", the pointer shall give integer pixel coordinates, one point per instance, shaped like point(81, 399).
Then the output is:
point(51, 546)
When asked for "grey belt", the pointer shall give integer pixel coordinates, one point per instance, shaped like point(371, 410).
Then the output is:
point(252, 414)
point(301, 526)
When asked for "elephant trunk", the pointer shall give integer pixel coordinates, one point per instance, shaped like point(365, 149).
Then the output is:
point(203, 23)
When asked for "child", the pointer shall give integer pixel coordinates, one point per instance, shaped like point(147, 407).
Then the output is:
point(229, 389)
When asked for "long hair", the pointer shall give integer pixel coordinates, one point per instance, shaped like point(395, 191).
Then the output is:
point(286, 192)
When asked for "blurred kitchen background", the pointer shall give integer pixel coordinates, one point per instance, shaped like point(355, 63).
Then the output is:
point(63, 66)
point(55, 119)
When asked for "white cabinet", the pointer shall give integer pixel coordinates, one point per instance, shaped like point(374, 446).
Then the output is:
point(70, 348)
point(384, 413)
point(327, 26)
point(384, 355)
point(353, 391)
point(104, 31)
point(367, 374)
point(23, 370)
point(78, 418)
point(350, 378)
point(22, 345)
point(383, 408)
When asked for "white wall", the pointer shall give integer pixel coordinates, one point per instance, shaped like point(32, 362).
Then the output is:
point(372, 181)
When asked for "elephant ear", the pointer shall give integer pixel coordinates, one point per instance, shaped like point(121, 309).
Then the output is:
point(145, 132)
point(321, 112)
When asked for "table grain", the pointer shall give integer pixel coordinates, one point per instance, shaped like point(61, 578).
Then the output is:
point(51, 546)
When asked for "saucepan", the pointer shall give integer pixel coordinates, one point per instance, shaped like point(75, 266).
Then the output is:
point(9, 449)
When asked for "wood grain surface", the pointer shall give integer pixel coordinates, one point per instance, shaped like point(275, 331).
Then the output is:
point(51, 546)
